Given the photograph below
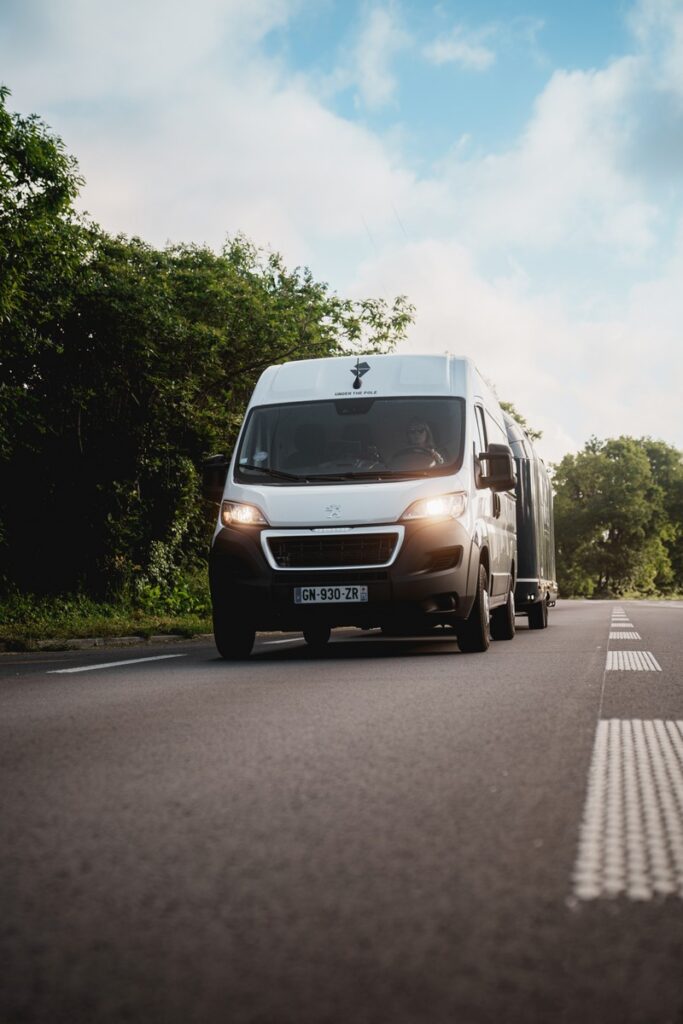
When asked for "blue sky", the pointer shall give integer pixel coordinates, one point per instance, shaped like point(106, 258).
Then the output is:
point(514, 167)
point(438, 103)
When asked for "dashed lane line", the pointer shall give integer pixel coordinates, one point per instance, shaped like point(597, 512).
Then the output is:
point(632, 661)
point(112, 664)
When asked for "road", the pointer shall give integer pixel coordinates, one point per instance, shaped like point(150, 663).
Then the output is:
point(389, 831)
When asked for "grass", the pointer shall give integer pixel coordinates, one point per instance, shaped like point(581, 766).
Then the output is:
point(27, 619)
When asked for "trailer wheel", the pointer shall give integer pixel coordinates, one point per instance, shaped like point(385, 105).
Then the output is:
point(538, 615)
point(317, 636)
point(474, 634)
point(233, 635)
point(503, 619)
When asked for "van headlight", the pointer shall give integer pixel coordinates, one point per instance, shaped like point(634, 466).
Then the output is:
point(237, 513)
point(444, 506)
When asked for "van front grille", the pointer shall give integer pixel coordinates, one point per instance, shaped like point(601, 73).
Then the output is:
point(334, 551)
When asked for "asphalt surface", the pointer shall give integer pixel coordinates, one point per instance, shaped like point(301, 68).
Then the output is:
point(382, 832)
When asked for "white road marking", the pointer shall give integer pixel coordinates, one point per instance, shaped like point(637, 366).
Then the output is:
point(632, 661)
point(288, 640)
point(622, 634)
point(631, 835)
point(113, 664)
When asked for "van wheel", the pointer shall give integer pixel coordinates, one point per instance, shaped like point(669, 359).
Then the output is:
point(234, 637)
point(503, 619)
point(474, 634)
point(538, 615)
point(317, 636)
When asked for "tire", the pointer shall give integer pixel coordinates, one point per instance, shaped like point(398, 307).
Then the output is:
point(503, 619)
point(538, 615)
point(234, 637)
point(317, 636)
point(474, 634)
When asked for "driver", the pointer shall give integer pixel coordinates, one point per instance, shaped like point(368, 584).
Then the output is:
point(420, 436)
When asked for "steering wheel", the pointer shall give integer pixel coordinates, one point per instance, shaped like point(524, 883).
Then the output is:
point(417, 450)
point(414, 449)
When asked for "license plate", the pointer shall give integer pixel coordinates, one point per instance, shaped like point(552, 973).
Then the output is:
point(337, 594)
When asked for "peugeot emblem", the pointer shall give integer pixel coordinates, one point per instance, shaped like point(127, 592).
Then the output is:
point(333, 511)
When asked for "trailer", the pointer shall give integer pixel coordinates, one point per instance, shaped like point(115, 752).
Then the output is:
point(536, 584)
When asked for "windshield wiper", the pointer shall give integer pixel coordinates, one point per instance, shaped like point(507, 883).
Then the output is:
point(267, 471)
point(363, 474)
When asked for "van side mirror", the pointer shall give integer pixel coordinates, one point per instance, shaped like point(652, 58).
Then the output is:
point(501, 468)
point(214, 472)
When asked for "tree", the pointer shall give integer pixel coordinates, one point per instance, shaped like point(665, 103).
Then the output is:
point(41, 247)
point(122, 366)
point(148, 371)
point(613, 517)
point(666, 466)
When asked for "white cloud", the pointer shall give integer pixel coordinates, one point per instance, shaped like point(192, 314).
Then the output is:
point(658, 27)
point(462, 48)
point(94, 51)
point(570, 378)
point(381, 38)
point(186, 130)
point(563, 184)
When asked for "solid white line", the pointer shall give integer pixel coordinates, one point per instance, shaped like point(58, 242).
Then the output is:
point(631, 835)
point(112, 664)
point(288, 640)
point(588, 869)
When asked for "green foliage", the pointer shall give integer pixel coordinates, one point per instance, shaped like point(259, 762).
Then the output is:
point(123, 367)
point(619, 518)
point(27, 618)
point(509, 408)
point(41, 248)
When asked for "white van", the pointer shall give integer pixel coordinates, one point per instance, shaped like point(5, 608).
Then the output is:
point(369, 492)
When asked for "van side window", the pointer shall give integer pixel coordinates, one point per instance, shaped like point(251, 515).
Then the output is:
point(494, 432)
point(480, 435)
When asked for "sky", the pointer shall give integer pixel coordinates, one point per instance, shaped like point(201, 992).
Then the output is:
point(514, 167)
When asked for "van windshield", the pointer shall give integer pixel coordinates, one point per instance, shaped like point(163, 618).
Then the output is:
point(352, 439)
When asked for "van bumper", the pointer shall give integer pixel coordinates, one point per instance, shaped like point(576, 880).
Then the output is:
point(529, 592)
point(432, 581)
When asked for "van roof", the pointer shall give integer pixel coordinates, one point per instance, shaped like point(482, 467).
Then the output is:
point(378, 376)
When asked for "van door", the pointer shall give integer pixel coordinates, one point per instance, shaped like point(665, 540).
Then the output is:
point(485, 509)
point(502, 524)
